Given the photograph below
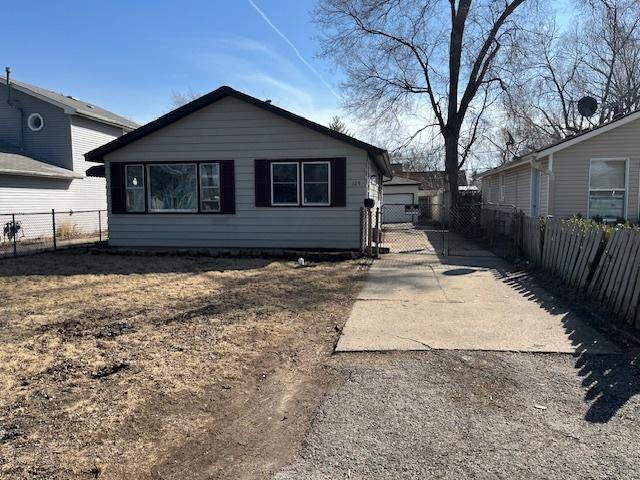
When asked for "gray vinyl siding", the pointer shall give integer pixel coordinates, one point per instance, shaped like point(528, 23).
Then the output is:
point(571, 169)
point(234, 130)
point(517, 188)
point(544, 188)
point(52, 143)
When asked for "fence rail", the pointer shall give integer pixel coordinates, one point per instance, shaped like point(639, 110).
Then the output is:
point(31, 232)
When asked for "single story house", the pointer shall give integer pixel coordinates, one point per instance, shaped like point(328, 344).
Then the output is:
point(595, 173)
point(398, 192)
point(228, 170)
point(43, 138)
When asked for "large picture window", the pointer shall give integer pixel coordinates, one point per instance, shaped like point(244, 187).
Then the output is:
point(315, 183)
point(135, 188)
point(284, 183)
point(173, 187)
point(607, 189)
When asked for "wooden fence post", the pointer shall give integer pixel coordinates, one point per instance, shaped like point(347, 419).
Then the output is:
point(99, 226)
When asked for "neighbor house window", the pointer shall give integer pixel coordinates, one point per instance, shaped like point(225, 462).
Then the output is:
point(284, 183)
point(173, 187)
point(501, 191)
point(315, 183)
point(210, 187)
point(35, 122)
point(135, 188)
point(607, 189)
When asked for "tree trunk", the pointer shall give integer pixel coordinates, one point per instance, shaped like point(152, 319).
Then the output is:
point(451, 164)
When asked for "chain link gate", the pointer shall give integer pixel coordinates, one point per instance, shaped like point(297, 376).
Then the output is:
point(408, 228)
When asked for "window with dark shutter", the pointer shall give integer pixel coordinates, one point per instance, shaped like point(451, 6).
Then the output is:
point(117, 182)
point(262, 183)
point(228, 187)
point(311, 182)
point(339, 182)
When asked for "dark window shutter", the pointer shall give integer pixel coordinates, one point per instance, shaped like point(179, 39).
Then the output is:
point(263, 183)
point(339, 182)
point(228, 185)
point(118, 188)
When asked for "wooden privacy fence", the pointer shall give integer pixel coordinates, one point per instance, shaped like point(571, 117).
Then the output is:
point(598, 261)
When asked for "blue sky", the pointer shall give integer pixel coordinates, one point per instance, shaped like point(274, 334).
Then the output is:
point(129, 56)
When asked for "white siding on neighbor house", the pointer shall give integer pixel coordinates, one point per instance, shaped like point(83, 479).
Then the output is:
point(234, 130)
point(491, 189)
point(89, 193)
point(571, 170)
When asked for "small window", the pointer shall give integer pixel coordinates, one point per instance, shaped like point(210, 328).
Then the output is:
point(315, 183)
point(284, 183)
point(210, 187)
point(501, 192)
point(135, 188)
point(173, 187)
point(607, 189)
point(35, 122)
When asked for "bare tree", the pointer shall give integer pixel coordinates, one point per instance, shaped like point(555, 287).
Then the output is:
point(408, 56)
point(182, 98)
point(597, 56)
point(338, 125)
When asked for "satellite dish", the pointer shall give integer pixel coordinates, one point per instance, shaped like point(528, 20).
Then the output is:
point(587, 106)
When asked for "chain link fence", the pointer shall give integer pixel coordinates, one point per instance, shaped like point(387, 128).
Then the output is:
point(27, 233)
point(495, 227)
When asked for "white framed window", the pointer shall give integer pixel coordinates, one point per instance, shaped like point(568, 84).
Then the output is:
point(608, 188)
point(316, 183)
point(172, 187)
point(35, 122)
point(284, 183)
point(210, 187)
point(501, 188)
point(135, 187)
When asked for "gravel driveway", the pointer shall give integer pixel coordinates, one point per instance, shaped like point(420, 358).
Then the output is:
point(454, 414)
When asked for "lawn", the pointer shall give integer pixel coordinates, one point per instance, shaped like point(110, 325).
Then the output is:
point(146, 367)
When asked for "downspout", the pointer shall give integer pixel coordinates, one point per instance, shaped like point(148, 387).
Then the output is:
point(15, 105)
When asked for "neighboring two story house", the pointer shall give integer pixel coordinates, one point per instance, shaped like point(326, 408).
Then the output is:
point(43, 139)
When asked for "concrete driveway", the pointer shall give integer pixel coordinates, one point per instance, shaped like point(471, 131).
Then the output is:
point(423, 302)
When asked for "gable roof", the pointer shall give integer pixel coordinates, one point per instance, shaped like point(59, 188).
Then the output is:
point(379, 155)
point(72, 105)
point(565, 143)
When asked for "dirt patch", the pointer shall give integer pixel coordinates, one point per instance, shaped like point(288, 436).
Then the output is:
point(158, 368)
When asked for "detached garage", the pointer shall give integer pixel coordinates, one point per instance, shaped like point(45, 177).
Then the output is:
point(397, 193)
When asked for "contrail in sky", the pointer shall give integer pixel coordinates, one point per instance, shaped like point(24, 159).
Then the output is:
point(295, 49)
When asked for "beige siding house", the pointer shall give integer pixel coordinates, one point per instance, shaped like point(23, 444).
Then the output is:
point(231, 171)
point(595, 173)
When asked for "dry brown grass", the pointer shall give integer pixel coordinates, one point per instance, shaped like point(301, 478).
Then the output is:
point(162, 367)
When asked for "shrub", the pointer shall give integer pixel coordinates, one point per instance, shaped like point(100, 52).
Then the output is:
point(67, 230)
